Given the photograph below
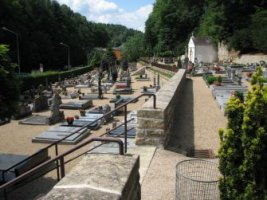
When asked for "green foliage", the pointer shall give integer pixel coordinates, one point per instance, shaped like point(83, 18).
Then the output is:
point(94, 59)
point(118, 34)
point(240, 24)
point(219, 79)
point(168, 27)
point(211, 79)
point(9, 85)
point(243, 151)
point(133, 48)
point(35, 79)
point(43, 24)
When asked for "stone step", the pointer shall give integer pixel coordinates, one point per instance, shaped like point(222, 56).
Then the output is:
point(201, 153)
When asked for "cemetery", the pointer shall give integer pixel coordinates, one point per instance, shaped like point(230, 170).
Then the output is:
point(151, 100)
point(223, 85)
point(80, 117)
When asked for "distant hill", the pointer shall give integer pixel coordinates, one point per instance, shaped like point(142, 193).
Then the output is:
point(118, 34)
point(43, 24)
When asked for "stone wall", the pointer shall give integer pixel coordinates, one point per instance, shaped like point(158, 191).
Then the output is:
point(154, 125)
point(101, 177)
point(153, 74)
point(225, 55)
point(250, 58)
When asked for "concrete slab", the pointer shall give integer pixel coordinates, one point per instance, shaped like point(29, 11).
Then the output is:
point(59, 132)
point(107, 177)
point(77, 105)
point(35, 120)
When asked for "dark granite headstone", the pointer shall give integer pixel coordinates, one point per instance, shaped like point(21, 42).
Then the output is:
point(40, 103)
point(77, 105)
point(56, 114)
point(23, 110)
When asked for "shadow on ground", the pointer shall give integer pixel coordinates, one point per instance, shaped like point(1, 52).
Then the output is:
point(32, 190)
point(182, 134)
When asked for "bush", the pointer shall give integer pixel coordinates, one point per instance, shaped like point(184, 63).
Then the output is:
point(36, 79)
point(243, 150)
point(211, 79)
point(9, 95)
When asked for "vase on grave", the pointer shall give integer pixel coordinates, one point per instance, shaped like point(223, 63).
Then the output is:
point(70, 120)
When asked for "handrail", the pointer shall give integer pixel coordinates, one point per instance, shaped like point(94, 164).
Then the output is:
point(110, 112)
point(60, 140)
point(60, 158)
point(60, 162)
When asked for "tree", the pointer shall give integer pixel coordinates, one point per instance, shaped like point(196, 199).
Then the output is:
point(243, 151)
point(133, 48)
point(9, 94)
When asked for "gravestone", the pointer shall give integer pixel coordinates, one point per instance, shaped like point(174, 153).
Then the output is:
point(56, 114)
point(40, 103)
point(23, 110)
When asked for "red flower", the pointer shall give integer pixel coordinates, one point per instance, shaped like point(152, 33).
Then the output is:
point(69, 119)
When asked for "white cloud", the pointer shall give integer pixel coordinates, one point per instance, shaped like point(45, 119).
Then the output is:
point(94, 6)
point(108, 12)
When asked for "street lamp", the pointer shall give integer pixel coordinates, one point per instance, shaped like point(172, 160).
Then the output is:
point(17, 37)
point(65, 45)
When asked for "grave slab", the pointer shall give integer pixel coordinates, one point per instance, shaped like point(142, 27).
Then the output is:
point(83, 123)
point(85, 104)
point(89, 97)
point(35, 120)
point(119, 132)
point(59, 132)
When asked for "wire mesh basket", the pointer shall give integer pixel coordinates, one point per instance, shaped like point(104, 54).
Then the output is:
point(197, 179)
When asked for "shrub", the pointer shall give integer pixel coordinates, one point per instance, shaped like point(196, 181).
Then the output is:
point(211, 79)
point(243, 150)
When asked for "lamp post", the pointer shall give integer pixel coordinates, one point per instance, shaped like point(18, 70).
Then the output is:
point(65, 45)
point(17, 37)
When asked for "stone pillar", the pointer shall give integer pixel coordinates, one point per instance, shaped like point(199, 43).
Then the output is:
point(100, 176)
point(150, 127)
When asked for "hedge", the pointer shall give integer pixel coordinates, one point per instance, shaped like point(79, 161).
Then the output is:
point(34, 80)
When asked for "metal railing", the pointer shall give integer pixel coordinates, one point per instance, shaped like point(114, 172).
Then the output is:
point(55, 145)
point(58, 159)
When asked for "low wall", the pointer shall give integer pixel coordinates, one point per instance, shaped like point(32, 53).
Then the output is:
point(230, 55)
point(250, 58)
point(101, 177)
point(154, 125)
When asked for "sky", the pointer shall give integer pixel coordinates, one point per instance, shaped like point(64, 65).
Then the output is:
point(130, 13)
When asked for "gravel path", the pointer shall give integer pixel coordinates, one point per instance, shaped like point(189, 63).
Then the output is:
point(198, 118)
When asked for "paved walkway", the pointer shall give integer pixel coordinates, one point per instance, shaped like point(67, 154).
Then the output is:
point(198, 120)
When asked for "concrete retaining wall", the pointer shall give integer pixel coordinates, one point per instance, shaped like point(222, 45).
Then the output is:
point(154, 125)
point(101, 177)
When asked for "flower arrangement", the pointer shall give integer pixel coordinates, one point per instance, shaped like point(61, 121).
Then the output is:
point(249, 74)
point(69, 120)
